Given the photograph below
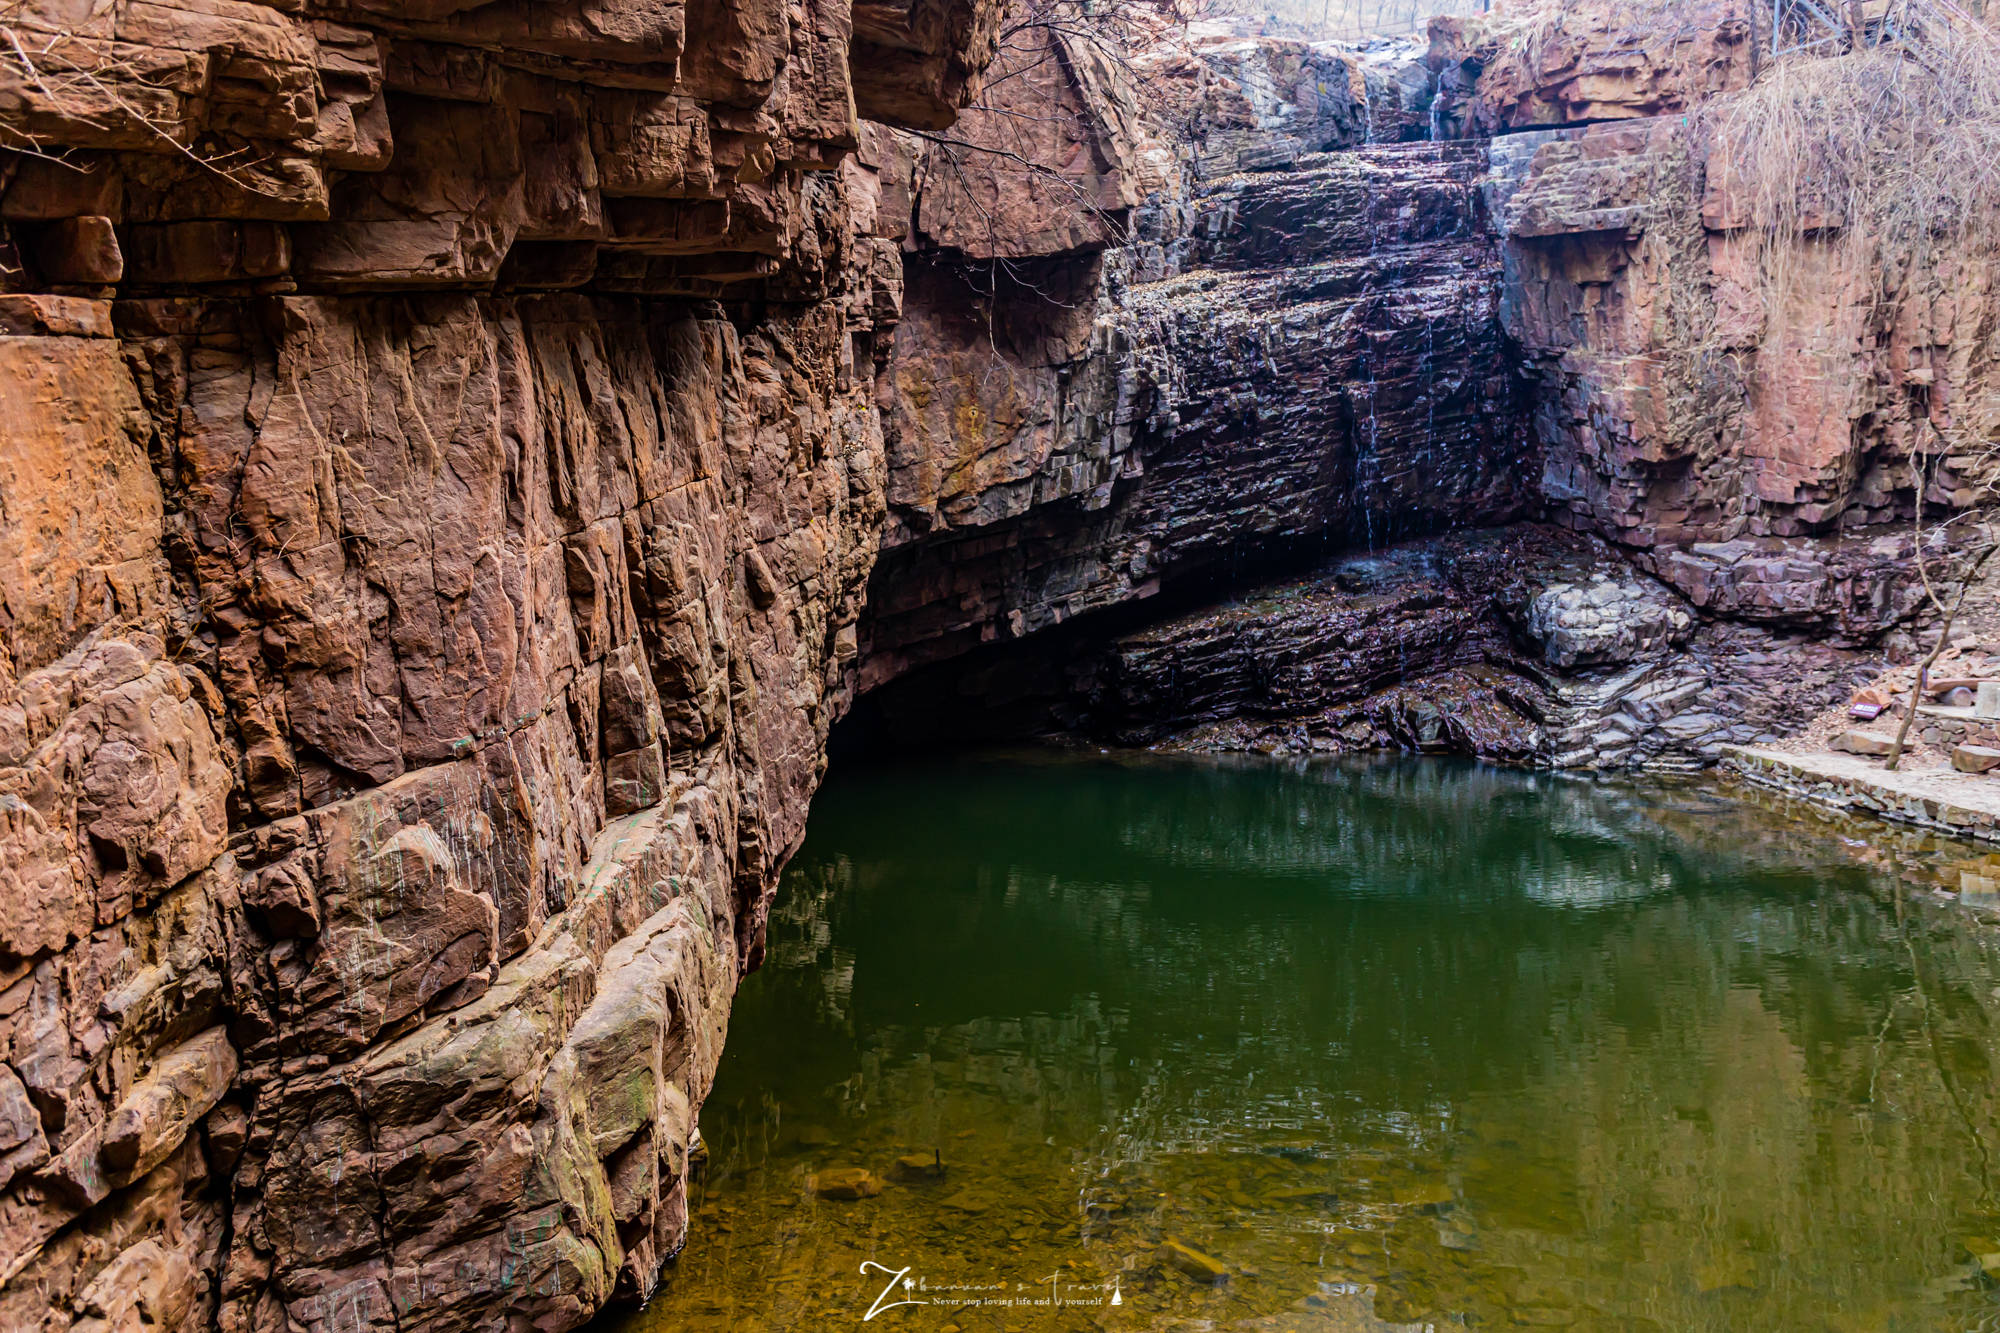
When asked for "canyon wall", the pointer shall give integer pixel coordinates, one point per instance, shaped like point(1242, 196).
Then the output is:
point(440, 465)
point(1556, 316)
point(1296, 345)
point(445, 453)
point(1749, 442)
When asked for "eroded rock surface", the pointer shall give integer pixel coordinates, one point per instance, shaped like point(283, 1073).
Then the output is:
point(1527, 644)
point(1536, 63)
point(1293, 347)
point(440, 465)
point(444, 451)
point(1761, 461)
point(1565, 321)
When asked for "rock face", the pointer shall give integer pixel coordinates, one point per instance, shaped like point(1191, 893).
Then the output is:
point(1528, 644)
point(1545, 62)
point(1294, 348)
point(439, 471)
point(444, 451)
point(1758, 460)
point(1565, 324)
point(1751, 444)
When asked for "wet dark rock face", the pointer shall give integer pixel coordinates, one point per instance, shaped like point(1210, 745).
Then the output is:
point(1293, 360)
point(1529, 644)
point(1353, 354)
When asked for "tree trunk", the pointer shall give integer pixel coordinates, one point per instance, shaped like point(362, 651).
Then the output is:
point(1937, 651)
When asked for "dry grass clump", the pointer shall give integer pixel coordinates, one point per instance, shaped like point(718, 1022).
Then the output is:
point(1894, 148)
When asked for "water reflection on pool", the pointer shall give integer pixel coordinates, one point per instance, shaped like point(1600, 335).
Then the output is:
point(1399, 1042)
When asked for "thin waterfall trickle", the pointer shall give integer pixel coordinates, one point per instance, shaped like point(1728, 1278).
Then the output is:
point(1367, 459)
point(1429, 369)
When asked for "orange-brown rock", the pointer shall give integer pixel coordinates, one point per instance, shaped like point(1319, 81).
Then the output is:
point(1256, 372)
point(444, 449)
point(1533, 63)
point(1758, 459)
point(440, 465)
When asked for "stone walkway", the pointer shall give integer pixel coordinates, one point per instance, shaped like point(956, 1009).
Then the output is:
point(1962, 804)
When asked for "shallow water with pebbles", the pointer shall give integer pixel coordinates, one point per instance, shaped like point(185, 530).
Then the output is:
point(1109, 1042)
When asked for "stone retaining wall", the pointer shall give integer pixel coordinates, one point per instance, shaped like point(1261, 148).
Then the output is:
point(1941, 728)
point(1962, 805)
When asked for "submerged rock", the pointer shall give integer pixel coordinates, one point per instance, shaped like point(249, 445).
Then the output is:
point(846, 1182)
point(1427, 1195)
point(1984, 1252)
point(920, 1166)
point(1728, 1272)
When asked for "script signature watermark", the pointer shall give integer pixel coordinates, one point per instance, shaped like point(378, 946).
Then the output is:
point(905, 1286)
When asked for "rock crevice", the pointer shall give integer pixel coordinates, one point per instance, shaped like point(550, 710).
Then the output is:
point(440, 466)
point(457, 463)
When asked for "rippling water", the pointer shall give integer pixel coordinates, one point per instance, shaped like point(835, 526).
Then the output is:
point(1406, 1043)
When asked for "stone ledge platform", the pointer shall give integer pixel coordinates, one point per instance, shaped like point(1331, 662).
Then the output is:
point(1961, 804)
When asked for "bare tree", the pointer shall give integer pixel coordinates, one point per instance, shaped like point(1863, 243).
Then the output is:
point(1945, 590)
point(68, 82)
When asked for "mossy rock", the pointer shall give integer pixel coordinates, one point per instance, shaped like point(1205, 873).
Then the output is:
point(1431, 1194)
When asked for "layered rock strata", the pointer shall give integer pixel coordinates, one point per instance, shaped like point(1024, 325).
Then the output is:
point(1749, 451)
point(1543, 63)
point(1294, 348)
point(439, 470)
point(1752, 442)
point(1528, 645)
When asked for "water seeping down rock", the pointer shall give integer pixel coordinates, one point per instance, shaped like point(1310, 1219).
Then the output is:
point(1300, 353)
point(456, 464)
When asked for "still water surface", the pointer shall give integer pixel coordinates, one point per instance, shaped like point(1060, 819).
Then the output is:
point(1399, 1043)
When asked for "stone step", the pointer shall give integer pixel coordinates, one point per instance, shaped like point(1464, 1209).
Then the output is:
point(1975, 758)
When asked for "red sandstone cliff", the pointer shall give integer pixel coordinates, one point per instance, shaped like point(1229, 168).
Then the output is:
point(439, 470)
point(443, 451)
point(1288, 353)
point(1753, 445)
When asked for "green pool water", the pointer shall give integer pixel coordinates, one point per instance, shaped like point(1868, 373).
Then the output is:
point(1396, 1043)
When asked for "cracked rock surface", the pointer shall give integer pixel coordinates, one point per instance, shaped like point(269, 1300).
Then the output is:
point(439, 470)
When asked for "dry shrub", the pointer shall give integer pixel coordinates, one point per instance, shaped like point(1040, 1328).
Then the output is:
point(1884, 161)
point(67, 82)
point(1893, 149)
point(1887, 158)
